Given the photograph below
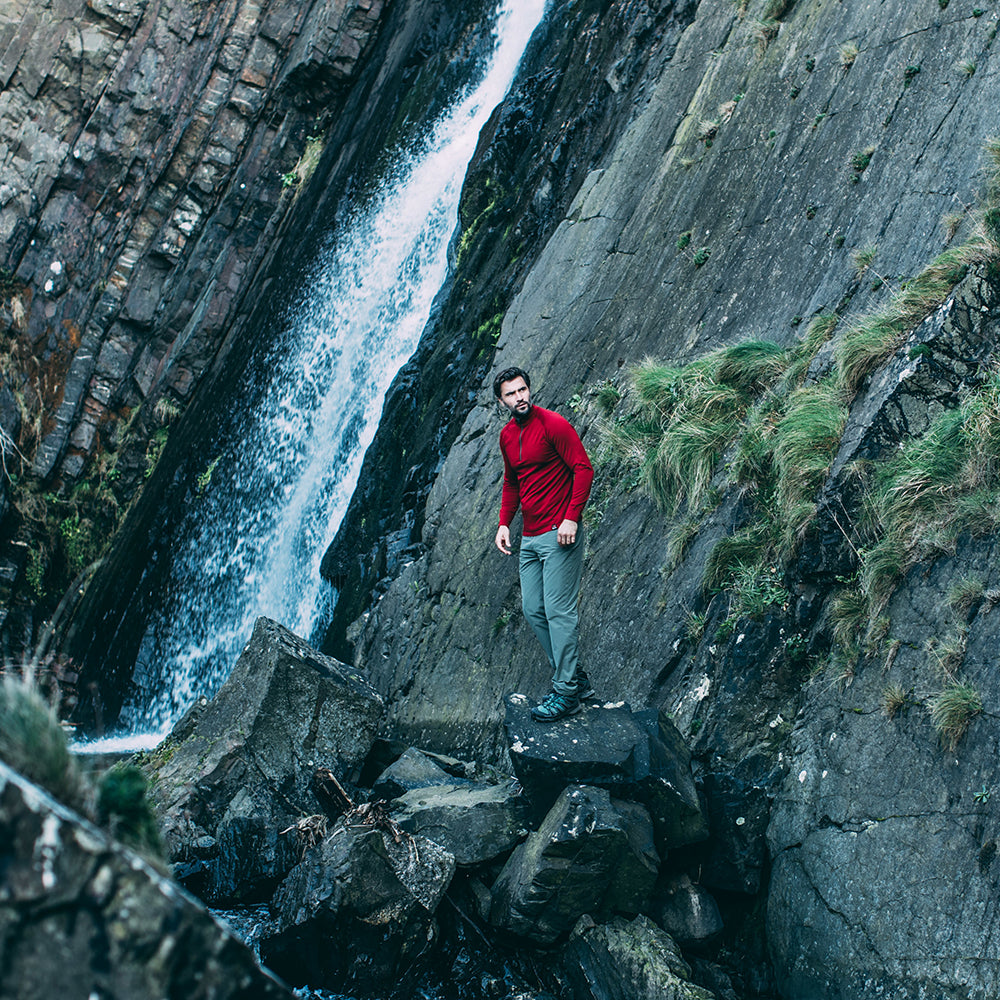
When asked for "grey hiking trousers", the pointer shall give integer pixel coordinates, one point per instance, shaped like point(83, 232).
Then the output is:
point(550, 587)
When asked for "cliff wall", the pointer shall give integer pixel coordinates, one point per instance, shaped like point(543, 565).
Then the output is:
point(777, 164)
point(151, 152)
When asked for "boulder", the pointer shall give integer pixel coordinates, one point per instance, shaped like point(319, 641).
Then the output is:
point(238, 768)
point(734, 857)
point(635, 755)
point(413, 769)
point(474, 822)
point(592, 854)
point(623, 960)
point(358, 911)
point(82, 916)
point(687, 911)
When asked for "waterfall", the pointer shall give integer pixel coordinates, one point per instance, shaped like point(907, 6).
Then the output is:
point(275, 492)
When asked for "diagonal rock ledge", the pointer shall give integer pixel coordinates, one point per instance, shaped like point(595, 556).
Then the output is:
point(83, 916)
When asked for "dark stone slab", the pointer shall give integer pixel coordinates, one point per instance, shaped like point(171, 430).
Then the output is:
point(635, 755)
point(687, 911)
point(475, 822)
point(592, 854)
point(414, 769)
point(623, 960)
point(357, 912)
point(734, 857)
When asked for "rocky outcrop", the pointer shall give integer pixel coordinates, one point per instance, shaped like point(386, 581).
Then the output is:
point(635, 755)
point(235, 775)
point(136, 208)
point(882, 837)
point(82, 916)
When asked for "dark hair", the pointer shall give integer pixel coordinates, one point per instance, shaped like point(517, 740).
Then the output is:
point(508, 375)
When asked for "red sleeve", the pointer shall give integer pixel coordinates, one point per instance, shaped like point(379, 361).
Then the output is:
point(510, 501)
point(567, 442)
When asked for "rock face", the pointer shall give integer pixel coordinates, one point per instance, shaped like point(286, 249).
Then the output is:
point(238, 769)
point(884, 842)
point(81, 916)
point(637, 755)
point(135, 208)
point(588, 856)
point(357, 912)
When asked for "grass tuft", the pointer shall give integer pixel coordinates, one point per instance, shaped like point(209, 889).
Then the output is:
point(33, 743)
point(952, 710)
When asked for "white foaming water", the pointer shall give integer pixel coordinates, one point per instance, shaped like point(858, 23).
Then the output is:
point(253, 542)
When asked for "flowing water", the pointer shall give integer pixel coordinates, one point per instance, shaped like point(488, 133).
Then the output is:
point(278, 486)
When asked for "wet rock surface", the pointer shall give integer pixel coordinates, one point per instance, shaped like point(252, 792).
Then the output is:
point(475, 822)
point(81, 916)
point(238, 770)
point(687, 911)
point(357, 912)
point(635, 755)
point(623, 960)
point(412, 770)
point(591, 854)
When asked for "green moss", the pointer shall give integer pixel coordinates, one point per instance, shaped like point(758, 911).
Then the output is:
point(123, 809)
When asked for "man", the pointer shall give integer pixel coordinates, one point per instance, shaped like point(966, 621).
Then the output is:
point(548, 475)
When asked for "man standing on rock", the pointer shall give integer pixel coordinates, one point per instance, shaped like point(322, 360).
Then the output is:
point(548, 475)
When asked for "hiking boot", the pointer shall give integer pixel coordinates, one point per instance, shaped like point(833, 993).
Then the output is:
point(556, 707)
point(583, 686)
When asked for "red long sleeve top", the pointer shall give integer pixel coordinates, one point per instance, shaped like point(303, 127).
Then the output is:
point(546, 471)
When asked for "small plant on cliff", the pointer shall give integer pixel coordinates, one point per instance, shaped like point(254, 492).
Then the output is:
point(860, 161)
point(966, 594)
point(608, 396)
point(894, 700)
point(952, 710)
point(848, 52)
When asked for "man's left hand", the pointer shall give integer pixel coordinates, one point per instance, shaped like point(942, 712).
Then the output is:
point(567, 532)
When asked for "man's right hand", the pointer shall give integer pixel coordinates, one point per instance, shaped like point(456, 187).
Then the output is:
point(503, 539)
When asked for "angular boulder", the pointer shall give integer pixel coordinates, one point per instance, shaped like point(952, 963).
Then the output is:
point(238, 768)
point(474, 822)
point(687, 911)
point(623, 960)
point(82, 916)
point(591, 854)
point(357, 913)
point(635, 755)
point(414, 769)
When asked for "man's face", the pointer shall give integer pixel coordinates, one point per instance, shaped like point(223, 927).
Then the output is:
point(516, 396)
